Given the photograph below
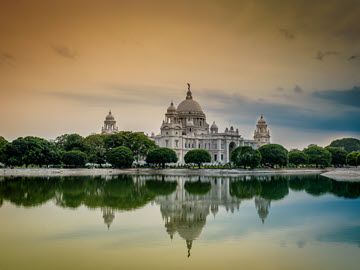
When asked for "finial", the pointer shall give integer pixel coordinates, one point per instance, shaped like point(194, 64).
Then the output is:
point(188, 94)
point(172, 103)
point(109, 111)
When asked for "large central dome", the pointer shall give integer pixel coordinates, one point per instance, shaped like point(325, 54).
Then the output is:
point(189, 105)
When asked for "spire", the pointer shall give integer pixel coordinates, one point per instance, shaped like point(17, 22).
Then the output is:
point(172, 103)
point(188, 94)
point(109, 111)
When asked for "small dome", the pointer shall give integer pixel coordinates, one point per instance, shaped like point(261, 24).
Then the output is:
point(171, 108)
point(214, 126)
point(110, 116)
point(262, 120)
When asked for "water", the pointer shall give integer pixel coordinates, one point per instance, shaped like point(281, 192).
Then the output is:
point(177, 222)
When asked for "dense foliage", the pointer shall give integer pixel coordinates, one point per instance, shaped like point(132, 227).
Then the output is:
point(138, 143)
point(31, 150)
point(338, 155)
point(3, 144)
point(161, 156)
point(298, 157)
point(352, 159)
point(70, 142)
point(318, 155)
point(120, 157)
point(348, 144)
point(273, 154)
point(74, 158)
point(95, 149)
point(245, 156)
point(197, 156)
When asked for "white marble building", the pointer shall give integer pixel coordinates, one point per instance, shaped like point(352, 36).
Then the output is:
point(185, 128)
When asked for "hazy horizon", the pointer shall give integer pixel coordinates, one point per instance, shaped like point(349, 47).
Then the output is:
point(64, 64)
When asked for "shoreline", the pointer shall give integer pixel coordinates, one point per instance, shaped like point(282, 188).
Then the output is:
point(150, 171)
point(344, 174)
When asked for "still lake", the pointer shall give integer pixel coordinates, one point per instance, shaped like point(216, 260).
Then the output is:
point(177, 222)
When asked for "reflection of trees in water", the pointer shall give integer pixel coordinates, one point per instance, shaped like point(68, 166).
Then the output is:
point(198, 187)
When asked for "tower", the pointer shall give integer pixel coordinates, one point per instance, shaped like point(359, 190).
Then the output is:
point(109, 125)
point(262, 133)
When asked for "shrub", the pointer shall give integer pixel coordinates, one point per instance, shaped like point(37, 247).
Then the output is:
point(197, 156)
point(245, 156)
point(74, 158)
point(161, 156)
point(120, 157)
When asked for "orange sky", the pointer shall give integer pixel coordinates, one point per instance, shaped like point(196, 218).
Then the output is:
point(63, 64)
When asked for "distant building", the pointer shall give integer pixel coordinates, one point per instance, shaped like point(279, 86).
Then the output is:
point(262, 133)
point(185, 128)
point(109, 125)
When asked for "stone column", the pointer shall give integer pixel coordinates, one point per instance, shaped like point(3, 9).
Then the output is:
point(219, 150)
point(227, 151)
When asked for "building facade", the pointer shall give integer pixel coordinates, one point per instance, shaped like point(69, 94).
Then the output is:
point(185, 128)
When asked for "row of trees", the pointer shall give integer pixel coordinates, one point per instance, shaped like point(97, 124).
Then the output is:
point(119, 149)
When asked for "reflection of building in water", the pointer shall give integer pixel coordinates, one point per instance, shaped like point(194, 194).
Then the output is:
point(262, 207)
point(108, 215)
point(186, 213)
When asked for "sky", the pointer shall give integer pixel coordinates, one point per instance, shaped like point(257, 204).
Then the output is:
point(64, 64)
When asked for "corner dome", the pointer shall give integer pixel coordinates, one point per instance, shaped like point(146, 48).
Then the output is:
point(171, 108)
point(214, 126)
point(262, 120)
point(110, 117)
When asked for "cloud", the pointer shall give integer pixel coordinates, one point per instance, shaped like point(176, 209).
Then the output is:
point(286, 34)
point(7, 58)
point(354, 57)
point(350, 97)
point(280, 89)
point(297, 89)
point(64, 51)
point(321, 55)
point(303, 115)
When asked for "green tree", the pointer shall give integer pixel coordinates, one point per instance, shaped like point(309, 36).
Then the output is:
point(318, 155)
point(298, 157)
point(352, 158)
point(338, 155)
point(273, 154)
point(3, 144)
point(31, 150)
point(197, 156)
point(138, 143)
point(74, 158)
point(245, 156)
point(120, 157)
point(161, 156)
point(95, 148)
point(70, 142)
point(348, 144)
